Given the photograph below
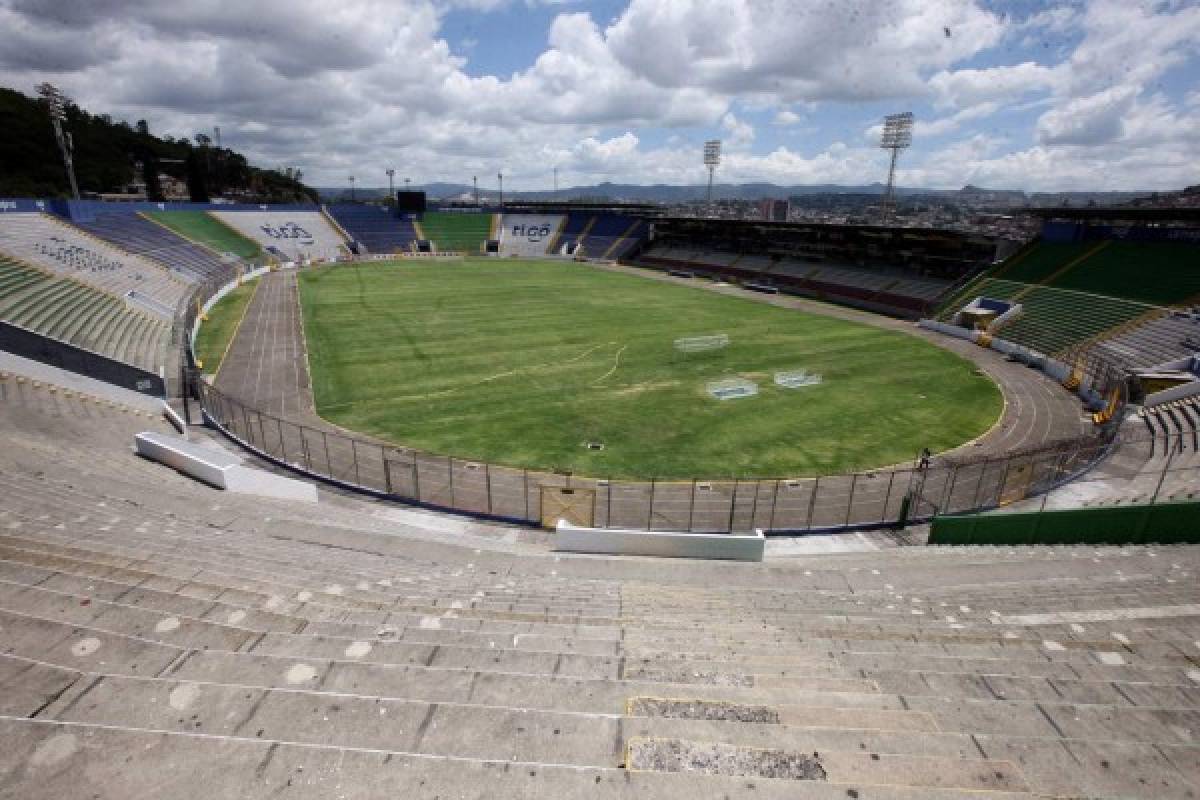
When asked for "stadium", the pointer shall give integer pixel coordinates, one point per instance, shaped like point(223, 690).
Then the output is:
point(452, 496)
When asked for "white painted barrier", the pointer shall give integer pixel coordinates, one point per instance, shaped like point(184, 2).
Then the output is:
point(202, 463)
point(219, 468)
point(668, 544)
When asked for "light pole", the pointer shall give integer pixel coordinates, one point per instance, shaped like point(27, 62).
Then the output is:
point(56, 105)
point(712, 158)
point(391, 173)
point(897, 136)
point(475, 187)
point(500, 177)
point(352, 196)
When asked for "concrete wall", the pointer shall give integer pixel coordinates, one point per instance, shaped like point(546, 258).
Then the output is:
point(667, 544)
point(1165, 523)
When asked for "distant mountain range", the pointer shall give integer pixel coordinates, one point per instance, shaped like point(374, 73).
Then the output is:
point(669, 194)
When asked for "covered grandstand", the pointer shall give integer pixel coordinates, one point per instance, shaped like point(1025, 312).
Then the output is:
point(892, 270)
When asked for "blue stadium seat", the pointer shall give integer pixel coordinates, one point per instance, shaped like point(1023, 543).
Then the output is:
point(375, 227)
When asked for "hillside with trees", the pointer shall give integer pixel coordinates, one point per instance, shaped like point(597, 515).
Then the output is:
point(113, 155)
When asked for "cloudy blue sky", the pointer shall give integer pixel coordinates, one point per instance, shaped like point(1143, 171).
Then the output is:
point(1031, 94)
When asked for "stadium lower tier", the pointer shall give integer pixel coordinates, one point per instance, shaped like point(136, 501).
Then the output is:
point(162, 638)
point(72, 312)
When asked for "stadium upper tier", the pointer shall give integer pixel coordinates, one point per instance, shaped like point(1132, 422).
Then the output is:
point(66, 250)
point(375, 227)
point(147, 238)
point(288, 235)
point(73, 312)
point(1083, 294)
point(1160, 273)
point(458, 231)
point(209, 231)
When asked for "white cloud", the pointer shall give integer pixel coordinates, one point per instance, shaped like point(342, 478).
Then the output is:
point(738, 134)
point(968, 87)
point(361, 85)
point(854, 50)
point(1094, 119)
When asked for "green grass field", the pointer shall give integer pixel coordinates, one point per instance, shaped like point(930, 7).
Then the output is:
point(212, 340)
point(207, 230)
point(524, 362)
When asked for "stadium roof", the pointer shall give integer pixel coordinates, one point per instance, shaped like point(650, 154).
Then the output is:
point(1117, 213)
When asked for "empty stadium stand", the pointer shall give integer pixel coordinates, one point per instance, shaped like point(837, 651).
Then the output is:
point(291, 235)
point(1156, 273)
point(897, 271)
point(144, 237)
point(162, 638)
point(73, 312)
point(613, 236)
point(207, 230)
point(62, 248)
point(458, 231)
point(1111, 296)
point(375, 227)
point(1165, 336)
point(883, 289)
point(576, 226)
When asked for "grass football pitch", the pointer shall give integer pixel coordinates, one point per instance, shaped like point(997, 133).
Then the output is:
point(524, 363)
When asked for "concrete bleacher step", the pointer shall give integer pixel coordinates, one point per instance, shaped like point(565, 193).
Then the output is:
point(70, 327)
point(325, 718)
point(51, 757)
point(858, 747)
point(134, 605)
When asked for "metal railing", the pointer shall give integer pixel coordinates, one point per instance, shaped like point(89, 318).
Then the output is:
point(860, 500)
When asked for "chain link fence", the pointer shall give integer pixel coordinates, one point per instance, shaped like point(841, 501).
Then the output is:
point(861, 500)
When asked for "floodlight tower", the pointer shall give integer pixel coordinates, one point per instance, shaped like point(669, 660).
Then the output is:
point(56, 105)
point(897, 136)
point(712, 159)
point(500, 177)
point(352, 196)
point(391, 173)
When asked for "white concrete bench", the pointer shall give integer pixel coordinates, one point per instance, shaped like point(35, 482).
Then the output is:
point(219, 468)
point(669, 544)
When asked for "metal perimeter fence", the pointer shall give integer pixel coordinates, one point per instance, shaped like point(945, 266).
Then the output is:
point(861, 500)
point(948, 484)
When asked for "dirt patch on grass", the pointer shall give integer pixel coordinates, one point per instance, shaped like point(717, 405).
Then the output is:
point(638, 388)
